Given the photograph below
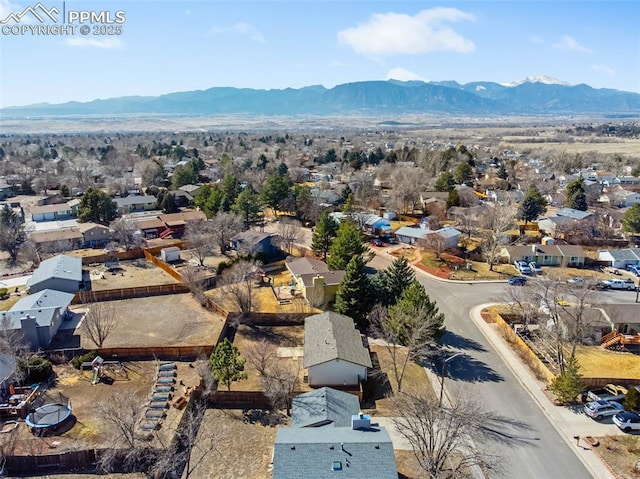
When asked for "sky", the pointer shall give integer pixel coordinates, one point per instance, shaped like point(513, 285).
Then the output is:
point(169, 46)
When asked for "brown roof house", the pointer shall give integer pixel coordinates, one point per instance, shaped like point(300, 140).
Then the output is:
point(334, 353)
point(546, 254)
point(314, 280)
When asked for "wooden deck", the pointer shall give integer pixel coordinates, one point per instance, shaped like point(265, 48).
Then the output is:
point(614, 338)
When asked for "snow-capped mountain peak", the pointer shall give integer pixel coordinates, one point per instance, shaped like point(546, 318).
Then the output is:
point(539, 79)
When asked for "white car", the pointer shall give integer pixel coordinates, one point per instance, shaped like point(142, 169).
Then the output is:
point(598, 410)
point(627, 284)
point(535, 267)
point(522, 267)
point(627, 421)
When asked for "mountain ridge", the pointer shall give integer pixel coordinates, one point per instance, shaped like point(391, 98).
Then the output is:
point(540, 95)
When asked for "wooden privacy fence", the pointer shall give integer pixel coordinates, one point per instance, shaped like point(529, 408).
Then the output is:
point(63, 460)
point(157, 352)
point(126, 293)
point(101, 256)
point(538, 367)
point(163, 266)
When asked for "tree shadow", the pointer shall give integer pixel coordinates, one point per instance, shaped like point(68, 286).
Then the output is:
point(464, 368)
point(453, 340)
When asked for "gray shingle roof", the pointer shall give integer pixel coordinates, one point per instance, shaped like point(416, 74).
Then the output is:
point(324, 406)
point(573, 213)
point(310, 453)
point(62, 266)
point(7, 366)
point(329, 336)
point(134, 200)
point(42, 306)
point(307, 266)
point(329, 277)
point(627, 254)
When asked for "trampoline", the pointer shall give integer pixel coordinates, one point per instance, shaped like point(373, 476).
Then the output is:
point(48, 415)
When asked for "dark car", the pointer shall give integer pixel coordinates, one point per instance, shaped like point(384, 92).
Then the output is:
point(377, 242)
point(627, 421)
point(517, 281)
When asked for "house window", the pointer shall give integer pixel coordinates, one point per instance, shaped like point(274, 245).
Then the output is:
point(337, 466)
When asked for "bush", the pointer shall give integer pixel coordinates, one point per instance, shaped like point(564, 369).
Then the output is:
point(4, 293)
point(632, 400)
point(77, 361)
point(35, 369)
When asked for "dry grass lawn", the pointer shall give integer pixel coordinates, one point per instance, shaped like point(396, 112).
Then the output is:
point(407, 465)
point(620, 453)
point(264, 301)
point(249, 337)
point(596, 362)
point(138, 272)
point(242, 449)
point(6, 304)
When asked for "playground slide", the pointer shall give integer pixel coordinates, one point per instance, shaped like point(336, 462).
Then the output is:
point(94, 377)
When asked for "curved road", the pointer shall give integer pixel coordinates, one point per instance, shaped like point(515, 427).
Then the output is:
point(479, 371)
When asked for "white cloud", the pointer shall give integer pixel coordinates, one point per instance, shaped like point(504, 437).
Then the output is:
point(570, 44)
point(241, 28)
point(403, 74)
point(397, 33)
point(94, 42)
point(604, 69)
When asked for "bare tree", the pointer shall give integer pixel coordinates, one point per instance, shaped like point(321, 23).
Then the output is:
point(99, 322)
point(498, 220)
point(193, 278)
point(445, 439)
point(407, 184)
point(260, 356)
point(407, 337)
point(577, 314)
point(290, 232)
point(433, 242)
point(200, 236)
point(224, 227)
point(124, 232)
point(239, 282)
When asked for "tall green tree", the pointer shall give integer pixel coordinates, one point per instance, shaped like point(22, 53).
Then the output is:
point(12, 233)
point(276, 190)
point(399, 276)
point(502, 172)
point(97, 206)
point(183, 175)
point(326, 229)
point(414, 304)
point(226, 364)
point(631, 219)
point(349, 242)
point(453, 199)
point(532, 205)
point(463, 174)
point(569, 383)
point(445, 181)
point(353, 297)
point(168, 204)
point(576, 195)
point(248, 206)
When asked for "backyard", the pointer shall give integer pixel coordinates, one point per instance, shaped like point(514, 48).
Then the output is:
point(128, 274)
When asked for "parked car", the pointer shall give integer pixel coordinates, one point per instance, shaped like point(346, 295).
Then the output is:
point(535, 267)
point(627, 284)
point(577, 280)
point(598, 410)
point(627, 421)
point(634, 269)
point(377, 242)
point(522, 267)
point(517, 281)
point(610, 392)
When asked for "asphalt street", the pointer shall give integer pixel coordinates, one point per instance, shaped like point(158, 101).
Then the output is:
point(478, 372)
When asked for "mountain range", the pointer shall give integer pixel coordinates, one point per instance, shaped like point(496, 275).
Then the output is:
point(537, 96)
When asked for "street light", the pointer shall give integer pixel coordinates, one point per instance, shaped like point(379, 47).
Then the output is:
point(443, 372)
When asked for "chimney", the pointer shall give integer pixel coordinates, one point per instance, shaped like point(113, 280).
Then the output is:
point(360, 421)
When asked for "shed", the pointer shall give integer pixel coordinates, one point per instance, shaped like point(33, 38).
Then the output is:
point(170, 254)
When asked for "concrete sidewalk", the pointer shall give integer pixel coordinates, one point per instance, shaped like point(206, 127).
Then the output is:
point(567, 421)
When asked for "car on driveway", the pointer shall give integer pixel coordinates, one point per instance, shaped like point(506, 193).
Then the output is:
point(535, 267)
point(517, 281)
point(377, 242)
point(627, 421)
point(634, 269)
point(598, 410)
point(627, 284)
point(522, 267)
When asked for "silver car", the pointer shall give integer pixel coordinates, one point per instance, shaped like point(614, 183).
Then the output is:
point(598, 410)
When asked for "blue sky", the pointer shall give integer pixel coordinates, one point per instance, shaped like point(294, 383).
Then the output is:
point(184, 45)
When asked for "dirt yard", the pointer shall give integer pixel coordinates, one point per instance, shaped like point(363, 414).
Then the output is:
point(88, 430)
point(242, 447)
point(287, 343)
point(139, 272)
point(620, 453)
point(170, 320)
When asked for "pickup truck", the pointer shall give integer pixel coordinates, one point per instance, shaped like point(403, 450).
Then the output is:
point(610, 392)
point(627, 284)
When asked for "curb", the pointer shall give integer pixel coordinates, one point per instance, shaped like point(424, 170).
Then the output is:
point(600, 469)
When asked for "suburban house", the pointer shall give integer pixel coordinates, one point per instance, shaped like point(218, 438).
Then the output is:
point(623, 318)
point(324, 407)
point(182, 198)
point(623, 198)
point(472, 215)
point(565, 221)
point(354, 452)
point(133, 203)
point(8, 367)
point(58, 240)
point(546, 254)
point(192, 190)
point(620, 258)
point(57, 212)
point(151, 228)
point(432, 199)
point(61, 273)
point(176, 223)
point(38, 316)
point(334, 354)
point(94, 235)
point(368, 221)
point(312, 276)
point(422, 235)
point(254, 242)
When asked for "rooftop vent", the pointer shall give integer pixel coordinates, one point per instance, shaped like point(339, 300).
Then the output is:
point(360, 421)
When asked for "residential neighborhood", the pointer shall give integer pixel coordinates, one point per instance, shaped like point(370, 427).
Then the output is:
point(317, 305)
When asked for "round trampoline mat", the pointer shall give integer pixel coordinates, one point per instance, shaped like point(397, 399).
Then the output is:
point(48, 415)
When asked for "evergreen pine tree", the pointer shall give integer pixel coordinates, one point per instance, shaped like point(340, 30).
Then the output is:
point(398, 278)
point(568, 384)
point(325, 230)
point(532, 205)
point(354, 292)
point(348, 243)
point(576, 195)
point(226, 364)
